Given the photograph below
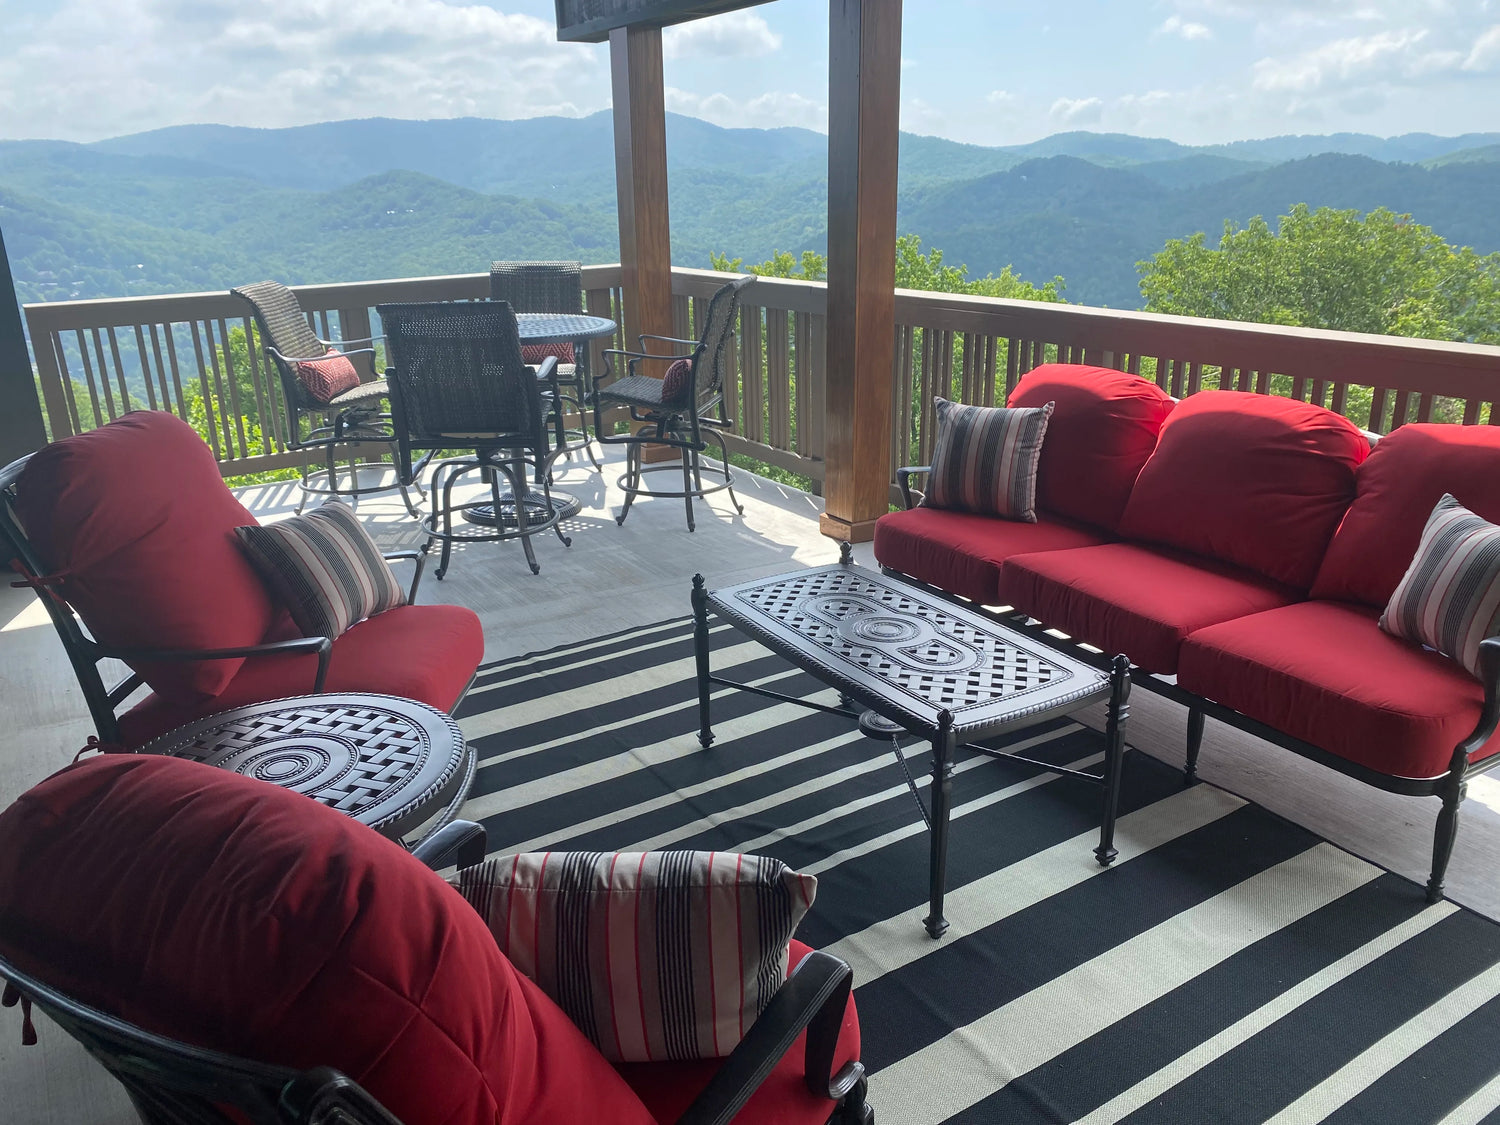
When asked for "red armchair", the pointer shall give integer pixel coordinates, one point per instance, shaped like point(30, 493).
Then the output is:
point(231, 952)
point(127, 534)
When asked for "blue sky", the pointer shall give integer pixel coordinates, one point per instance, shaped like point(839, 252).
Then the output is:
point(1197, 71)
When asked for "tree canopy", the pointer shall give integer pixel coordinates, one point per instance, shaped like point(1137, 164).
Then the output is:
point(1326, 268)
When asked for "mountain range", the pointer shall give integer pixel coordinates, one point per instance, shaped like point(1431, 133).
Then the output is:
point(208, 206)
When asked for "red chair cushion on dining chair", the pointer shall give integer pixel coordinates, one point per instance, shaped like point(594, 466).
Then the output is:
point(135, 518)
point(783, 1099)
point(535, 353)
point(230, 913)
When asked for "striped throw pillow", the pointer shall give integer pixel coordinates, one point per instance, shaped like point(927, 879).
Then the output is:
point(654, 955)
point(1449, 598)
point(324, 567)
point(984, 459)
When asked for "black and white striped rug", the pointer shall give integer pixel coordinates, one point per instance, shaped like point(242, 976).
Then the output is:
point(1230, 967)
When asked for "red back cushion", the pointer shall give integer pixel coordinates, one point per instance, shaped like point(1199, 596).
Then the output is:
point(1395, 491)
point(239, 916)
point(135, 517)
point(535, 353)
point(1103, 428)
point(327, 378)
point(1252, 480)
point(677, 382)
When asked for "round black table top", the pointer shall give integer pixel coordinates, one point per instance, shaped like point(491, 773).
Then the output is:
point(560, 328)
point(388, 762)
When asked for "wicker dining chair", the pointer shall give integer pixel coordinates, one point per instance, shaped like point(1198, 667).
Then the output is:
point(552, 287)
point(357, 415)
point(683, 409)
point(458, 381)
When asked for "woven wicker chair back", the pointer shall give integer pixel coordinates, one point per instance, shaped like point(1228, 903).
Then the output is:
point(456, 369)
point(538, 287)
point(283, 325)
point(711, 357)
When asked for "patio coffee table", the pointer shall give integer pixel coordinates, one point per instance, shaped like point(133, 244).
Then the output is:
point(388, 762)
point(905, 660)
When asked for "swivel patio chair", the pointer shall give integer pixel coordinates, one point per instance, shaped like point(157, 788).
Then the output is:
point(458, 382)
point(551, 287)
point(683, 409)
point(355, 415)
point(234, 953)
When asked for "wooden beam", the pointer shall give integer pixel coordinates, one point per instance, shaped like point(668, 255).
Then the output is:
point(21, 428)
point(591, 21)
point(864, 108)
point(641, 180)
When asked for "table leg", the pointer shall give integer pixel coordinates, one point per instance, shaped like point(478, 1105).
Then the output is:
point(1114, 733)
point(942, 794)
point(700, 651)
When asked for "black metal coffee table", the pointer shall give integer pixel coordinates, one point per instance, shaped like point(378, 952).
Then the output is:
point(904, 660)
point(388, 762)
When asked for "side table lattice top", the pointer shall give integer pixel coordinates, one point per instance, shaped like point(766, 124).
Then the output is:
point(387, 762)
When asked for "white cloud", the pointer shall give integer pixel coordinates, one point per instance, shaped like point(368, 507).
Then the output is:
point(1187, 29)
point(73, 74)
point(739, 34)
point(1383, 55)
point(765, 111)
point(1485, 54)
point(1072, 112)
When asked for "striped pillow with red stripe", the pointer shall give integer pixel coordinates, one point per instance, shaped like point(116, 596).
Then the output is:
point(324, 567)
point(1449, 598)
point(985, 458)
point(655, 956)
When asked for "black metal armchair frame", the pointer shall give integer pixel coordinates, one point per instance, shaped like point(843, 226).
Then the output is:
point(553, 287)
point(687, 424)
point(458, 382)
point(85, 653)
point(287, 338)
point(173, 1083)
point(1450, 787)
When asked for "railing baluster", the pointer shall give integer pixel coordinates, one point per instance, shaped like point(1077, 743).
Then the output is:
point(1471, 411)
point(753, 423)
point(88, 379)
point(140, 350)
point(114, 351)
point(778, 380)
point(234, 387)
point(208, 395)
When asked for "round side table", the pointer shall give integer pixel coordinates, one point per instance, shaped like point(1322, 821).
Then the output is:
point(388, 762)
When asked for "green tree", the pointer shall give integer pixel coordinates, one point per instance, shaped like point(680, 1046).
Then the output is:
point(1379, 273)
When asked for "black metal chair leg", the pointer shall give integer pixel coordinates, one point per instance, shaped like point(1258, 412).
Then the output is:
point(1453, 793)
point(687, 486)
point(632, 480)
point(1194, 744)
point(411, 508)
point(728, 477)
point(447, 521)
point(518, 496)
point(567, 540)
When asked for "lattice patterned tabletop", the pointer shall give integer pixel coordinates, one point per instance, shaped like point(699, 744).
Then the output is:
point(557, 328)
point(914, 652)
point(388, 762)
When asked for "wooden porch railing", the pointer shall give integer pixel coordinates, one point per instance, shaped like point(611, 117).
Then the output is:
point(97, 359)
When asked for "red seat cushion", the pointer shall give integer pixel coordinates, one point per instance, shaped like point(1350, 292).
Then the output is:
point(1325, 673)
point(1132, 599)
point(422, 652)
point(962, 552)
point(1252, 480)
point(1394, 493)
point(783, 1099)
point(1103, 428)
point(136, 518)
point(239, 916)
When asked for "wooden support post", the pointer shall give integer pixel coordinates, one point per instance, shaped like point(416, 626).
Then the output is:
point(640, 110)
point(864, 104)
point(21, 428)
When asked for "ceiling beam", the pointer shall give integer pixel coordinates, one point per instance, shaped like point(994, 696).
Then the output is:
point(591, 21)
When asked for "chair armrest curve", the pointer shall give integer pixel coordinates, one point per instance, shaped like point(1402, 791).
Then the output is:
point(461, 843)
point(903, 479)
point(322, 646)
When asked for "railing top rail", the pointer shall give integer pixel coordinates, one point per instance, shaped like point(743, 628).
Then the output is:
point(166, 308)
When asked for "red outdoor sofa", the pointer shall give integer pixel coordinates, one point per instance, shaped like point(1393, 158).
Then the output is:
point(1239, 548)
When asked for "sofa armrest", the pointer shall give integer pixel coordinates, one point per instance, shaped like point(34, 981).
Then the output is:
point(323, 646)
point(1489, 717)
point(903, 478)
point(417, 557)
point(461, 843)
point(812, 999)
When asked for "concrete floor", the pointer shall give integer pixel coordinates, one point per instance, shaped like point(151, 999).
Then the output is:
point(616, 577)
